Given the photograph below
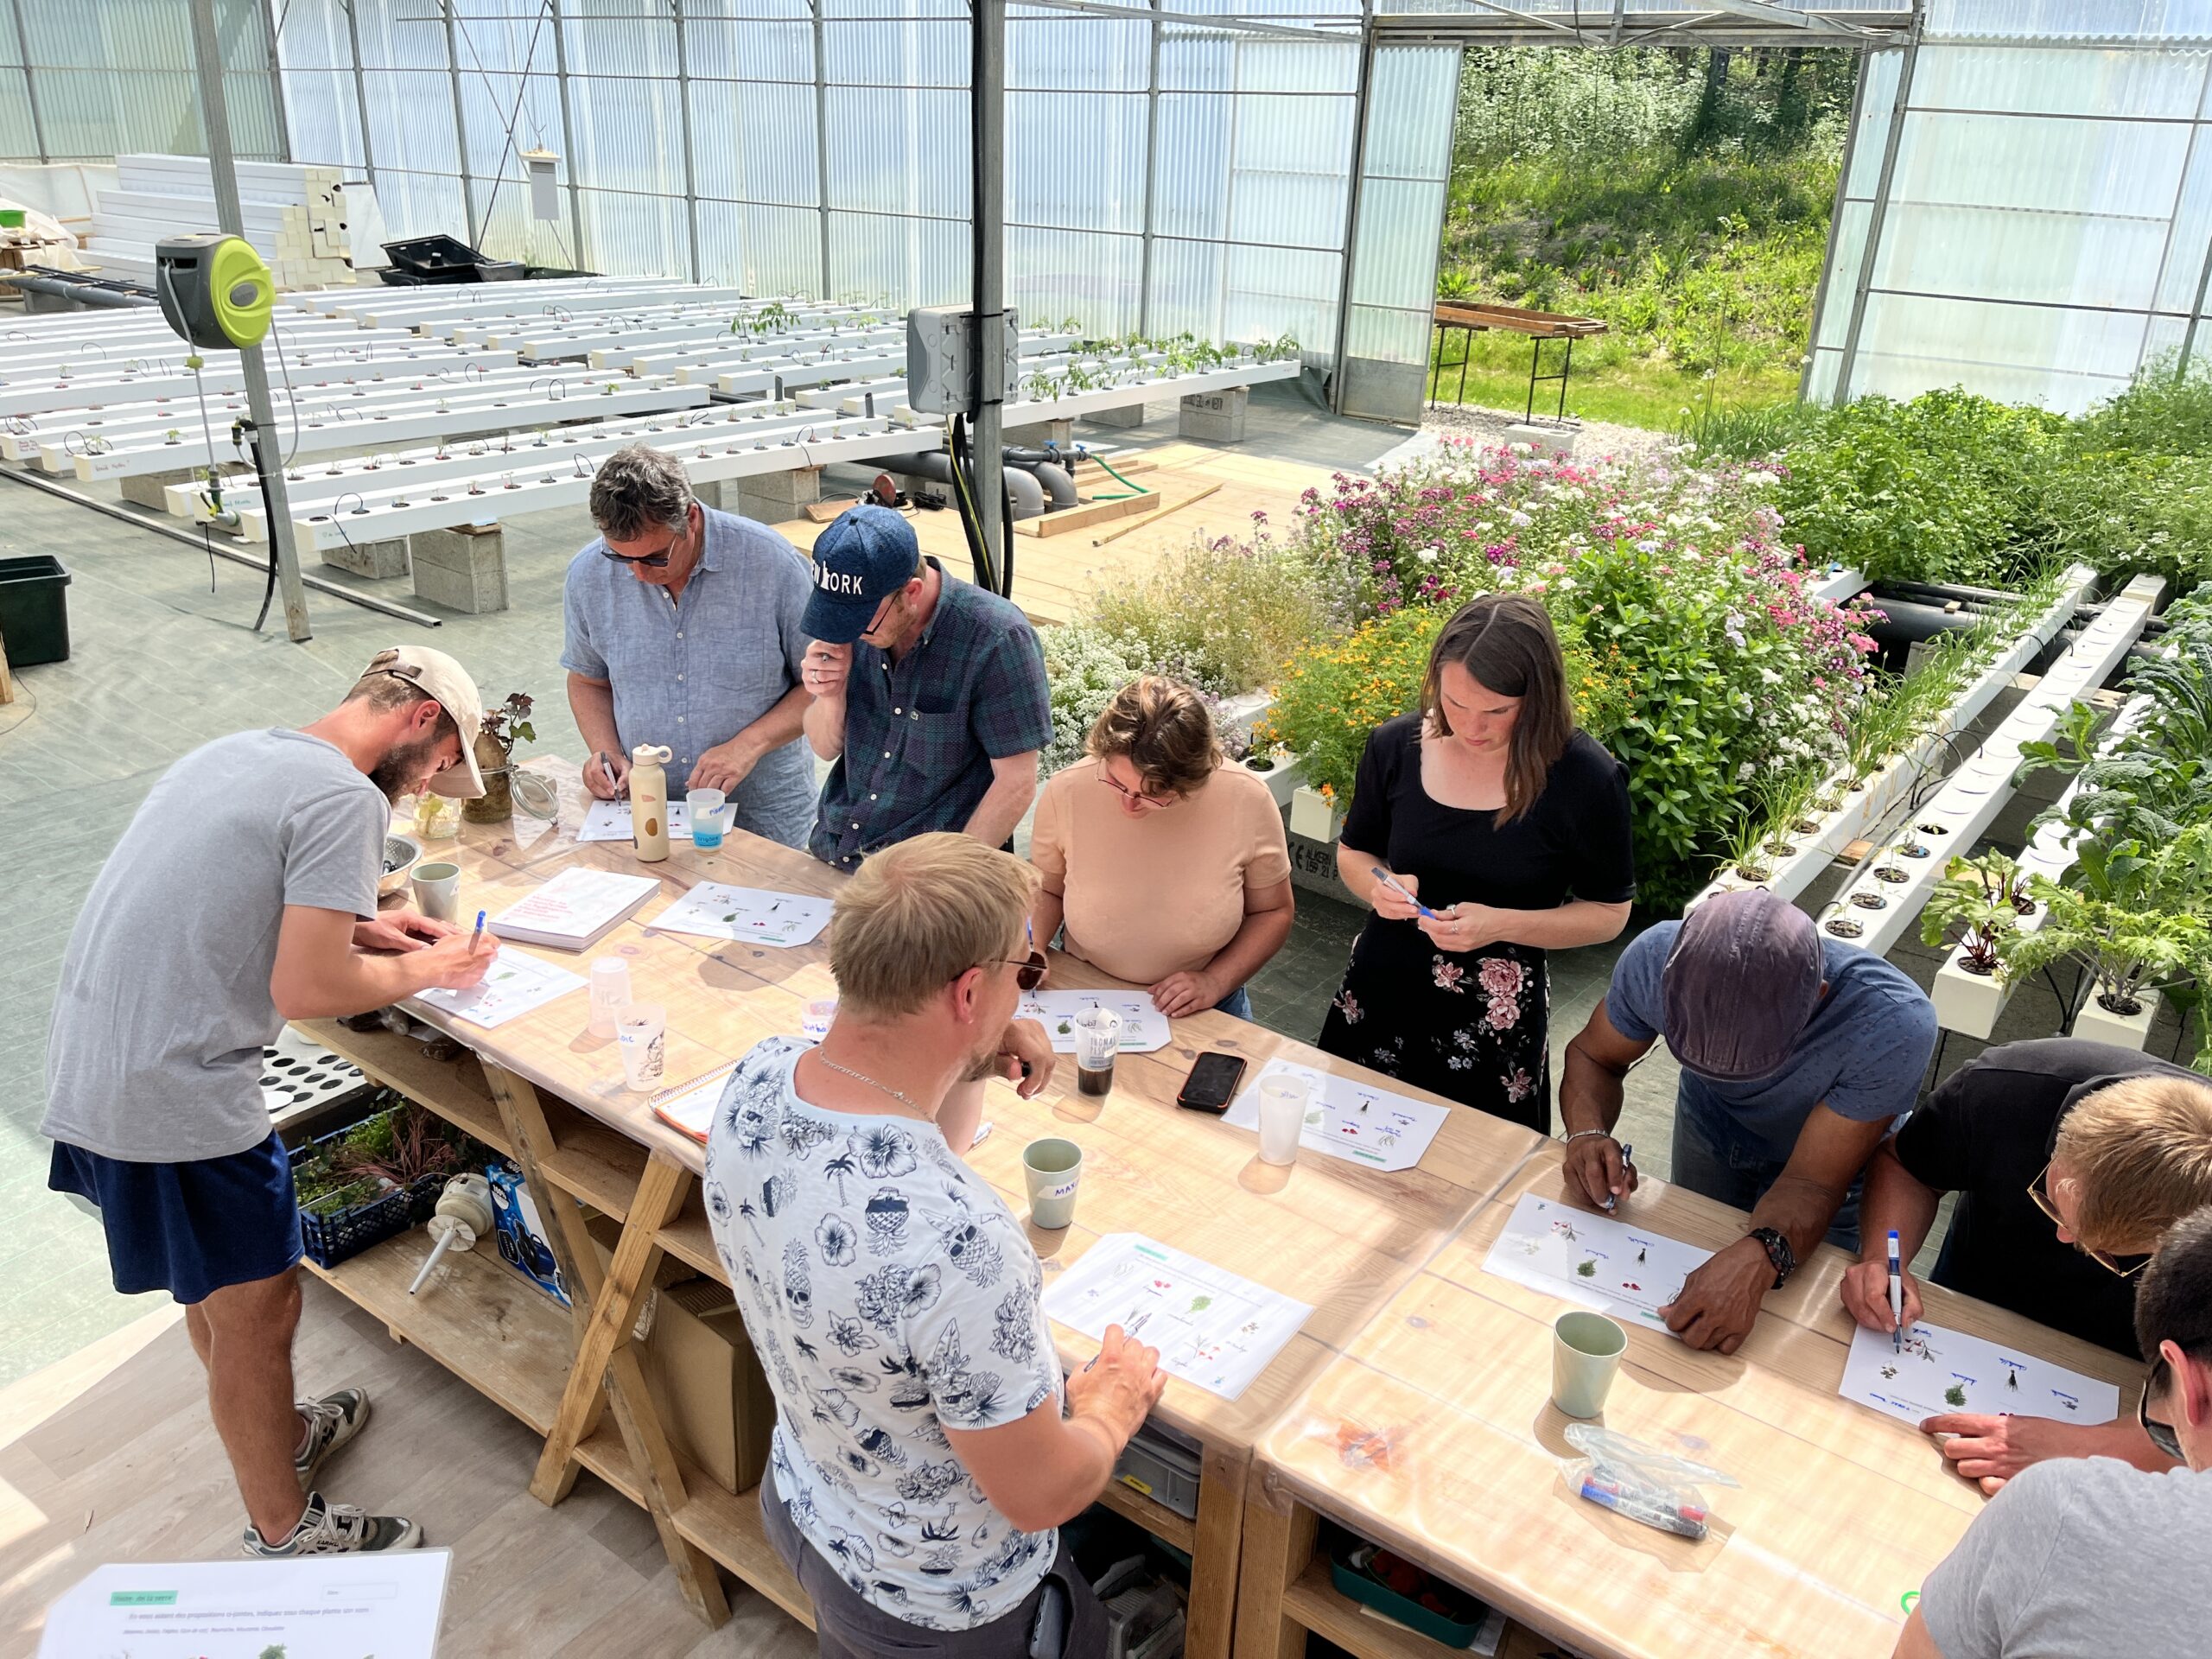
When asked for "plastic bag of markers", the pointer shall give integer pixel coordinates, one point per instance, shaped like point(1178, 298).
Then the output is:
point(1639, 1481)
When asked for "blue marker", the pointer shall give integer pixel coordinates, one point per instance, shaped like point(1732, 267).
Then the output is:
point(1392, 882)
point(1896, 1296)
point(477, 938)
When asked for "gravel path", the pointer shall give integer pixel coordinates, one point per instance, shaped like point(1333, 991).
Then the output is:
point(1597, 438)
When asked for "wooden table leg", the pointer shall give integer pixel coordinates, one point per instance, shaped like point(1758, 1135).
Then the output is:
point(1222, 1480)
point(624, 1380)
point(1278, 1543)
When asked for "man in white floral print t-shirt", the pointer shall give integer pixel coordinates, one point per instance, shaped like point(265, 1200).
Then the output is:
point(922, 1461)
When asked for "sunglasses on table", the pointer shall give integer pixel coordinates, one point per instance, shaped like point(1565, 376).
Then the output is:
point(2162, 1434)
point(2039, 1193)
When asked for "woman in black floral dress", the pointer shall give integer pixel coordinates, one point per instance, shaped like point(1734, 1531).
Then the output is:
point(1511, 829)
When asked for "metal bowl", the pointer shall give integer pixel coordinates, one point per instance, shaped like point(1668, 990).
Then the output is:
point(401, 854)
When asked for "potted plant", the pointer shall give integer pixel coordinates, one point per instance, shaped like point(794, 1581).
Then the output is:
point(2128, 951)
point(504, 726)
point(1975, 906)
point(373, 1181)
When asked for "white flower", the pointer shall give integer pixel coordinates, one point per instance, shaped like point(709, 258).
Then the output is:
point(1428, 555)
point(1566, 584)
point(1522, 519)
point(1649, 545)
point(1761, 478)
point(1523, 448)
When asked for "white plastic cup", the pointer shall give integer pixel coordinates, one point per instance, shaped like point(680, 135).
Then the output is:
point(1282, 1116)
point(707, 807)
point(610, 990)
point(1051, 1169)
point(641, 1030)
point(1586, 1350)
point(1097, 1045)
point(437, 890)
point(814, 1024)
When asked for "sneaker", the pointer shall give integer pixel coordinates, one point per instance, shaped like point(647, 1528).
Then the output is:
point(332, 1421)
point(335, 1529)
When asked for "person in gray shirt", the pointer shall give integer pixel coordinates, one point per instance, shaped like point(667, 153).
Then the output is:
point(684, 631)
point(2091, 1555)
point(243, 894)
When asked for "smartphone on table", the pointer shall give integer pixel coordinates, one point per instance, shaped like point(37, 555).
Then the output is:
point(1212, 1082)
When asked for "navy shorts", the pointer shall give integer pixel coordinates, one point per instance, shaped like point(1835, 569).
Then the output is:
point(189, 1228)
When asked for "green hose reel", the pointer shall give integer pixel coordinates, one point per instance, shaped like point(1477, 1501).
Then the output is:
point(215, 291)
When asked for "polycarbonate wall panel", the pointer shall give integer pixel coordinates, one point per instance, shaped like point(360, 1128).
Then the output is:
point(2049, 217)
point(110, 77)
point(1408, 159)
point(18, 133)
point(764, 250)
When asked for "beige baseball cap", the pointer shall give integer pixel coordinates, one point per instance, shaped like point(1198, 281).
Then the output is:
point(446, 682)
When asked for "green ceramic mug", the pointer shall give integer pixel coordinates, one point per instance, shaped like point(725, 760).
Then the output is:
point(1586, 1350)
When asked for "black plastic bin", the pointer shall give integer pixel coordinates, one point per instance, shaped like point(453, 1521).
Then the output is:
point(34, 611)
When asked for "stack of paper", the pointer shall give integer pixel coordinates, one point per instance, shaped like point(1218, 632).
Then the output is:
point(575, 909)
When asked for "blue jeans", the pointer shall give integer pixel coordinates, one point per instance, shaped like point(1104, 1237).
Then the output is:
point(1238, 1003)
point(1714, 1156)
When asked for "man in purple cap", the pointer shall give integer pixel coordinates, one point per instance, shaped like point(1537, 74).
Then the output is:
point(928, 692)
point(1796, 1053)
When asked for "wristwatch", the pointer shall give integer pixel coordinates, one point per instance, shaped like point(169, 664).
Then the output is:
point(1778, 1252)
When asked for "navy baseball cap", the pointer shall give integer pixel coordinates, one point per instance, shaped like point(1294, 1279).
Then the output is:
point(869, 554)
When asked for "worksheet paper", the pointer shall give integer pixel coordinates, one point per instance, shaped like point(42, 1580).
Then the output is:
point(1613, 1266)
point(752, 914)
point(1144, 1027)
point(387, 1603)
point(610, 821)
point(1212, 1328)
point(1348, 1119)
point(1944, 1371)
point(514, 985)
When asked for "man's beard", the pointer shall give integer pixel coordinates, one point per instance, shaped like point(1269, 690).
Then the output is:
point(984, 1063)
point(397, 773)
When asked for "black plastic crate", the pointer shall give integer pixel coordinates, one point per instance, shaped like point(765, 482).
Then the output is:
point(33, 610)
point(331, 1239)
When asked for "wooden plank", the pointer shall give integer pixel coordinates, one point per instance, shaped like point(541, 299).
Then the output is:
point(1070, 519)
point(1314, 1602)
point(1211, 1631)
point(1277, 1544)
point(1172, 507)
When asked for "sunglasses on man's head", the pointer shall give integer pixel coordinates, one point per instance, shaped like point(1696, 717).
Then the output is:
point(2039, 1193)
point(2162, 1434)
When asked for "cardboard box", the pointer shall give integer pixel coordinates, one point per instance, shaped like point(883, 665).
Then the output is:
point(705, 1380)
point(520, 1232)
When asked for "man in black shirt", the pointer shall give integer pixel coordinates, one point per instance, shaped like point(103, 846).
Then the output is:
point(2070, 1159)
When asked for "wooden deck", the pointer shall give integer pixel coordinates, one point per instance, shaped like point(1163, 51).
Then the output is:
point(1204, 492)
point(110, 1456)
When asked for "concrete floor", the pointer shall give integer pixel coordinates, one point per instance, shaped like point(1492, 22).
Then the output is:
point(164, 658)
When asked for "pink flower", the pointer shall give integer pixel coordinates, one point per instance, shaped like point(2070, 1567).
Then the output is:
point(1519, 1085)
point(1447, 976)
point(1503, 1012)
point(1502, 976)
point(1348, 1005)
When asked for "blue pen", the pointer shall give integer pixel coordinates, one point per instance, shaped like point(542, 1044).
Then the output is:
point(1896, 1296)
point(1628, 1162)
point(477, 937)
point(1392, 882)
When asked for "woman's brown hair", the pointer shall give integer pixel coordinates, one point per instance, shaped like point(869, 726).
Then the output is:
point(1505, 640)
point(1165, 730)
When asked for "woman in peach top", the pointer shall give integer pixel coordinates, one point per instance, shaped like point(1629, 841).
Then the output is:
point(1169, 869)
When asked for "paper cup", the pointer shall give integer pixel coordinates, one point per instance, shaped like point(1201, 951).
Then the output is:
point(707, 809)
point(641, 1030)
point(1282, 1117)
point(437, 890)
point(1586, 1350)
point(1052, 1169)
point(814, 1023)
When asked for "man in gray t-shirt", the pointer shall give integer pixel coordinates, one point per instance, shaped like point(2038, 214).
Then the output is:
point(243, 893)
point(2089, 1555)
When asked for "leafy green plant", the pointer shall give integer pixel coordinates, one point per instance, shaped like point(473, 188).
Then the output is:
point(1744, 850)
point(1223, 614)
point(508, 723)
point(1976, 905)
point(2125, 950)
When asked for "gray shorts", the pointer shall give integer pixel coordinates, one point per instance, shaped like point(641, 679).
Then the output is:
point(849, 1627)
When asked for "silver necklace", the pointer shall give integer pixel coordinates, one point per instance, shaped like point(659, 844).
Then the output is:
point(861, 1077)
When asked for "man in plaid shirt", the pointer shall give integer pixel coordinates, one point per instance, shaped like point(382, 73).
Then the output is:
point(928, 694)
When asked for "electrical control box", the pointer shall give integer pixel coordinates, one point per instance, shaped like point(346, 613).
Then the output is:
point(942, 359)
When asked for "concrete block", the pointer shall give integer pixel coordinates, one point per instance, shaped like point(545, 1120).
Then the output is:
point(380, 560)
point(1038, 434)
point(463, 568)
point(1545, 437)
point(774, 497)
point(145, 489)
point(709, 494)
point(1132, 415)
point(1213, 416)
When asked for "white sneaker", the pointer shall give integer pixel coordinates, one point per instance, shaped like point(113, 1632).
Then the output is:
point(336, 1529)
point(332, 1421)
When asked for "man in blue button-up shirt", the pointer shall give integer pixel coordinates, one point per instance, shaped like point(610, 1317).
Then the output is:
point(929, 693)
point(684, 630)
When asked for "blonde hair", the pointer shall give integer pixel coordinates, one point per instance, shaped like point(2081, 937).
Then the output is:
point(2138, 1154)
point(1165, 730)
point(918, 915)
